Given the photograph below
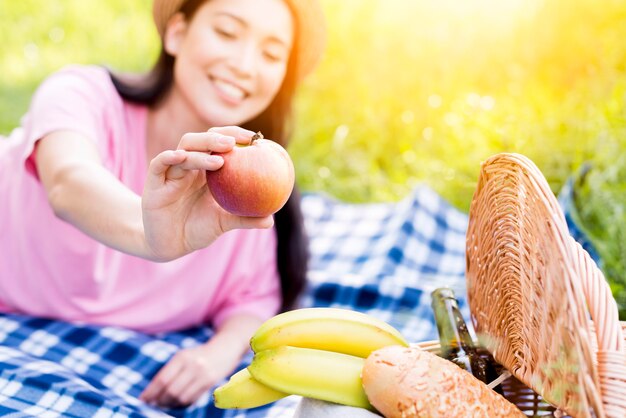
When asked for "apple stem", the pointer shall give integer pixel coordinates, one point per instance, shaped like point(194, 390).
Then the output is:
point(256, 136)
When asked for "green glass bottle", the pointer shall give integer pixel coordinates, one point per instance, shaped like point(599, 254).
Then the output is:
point(454, 337)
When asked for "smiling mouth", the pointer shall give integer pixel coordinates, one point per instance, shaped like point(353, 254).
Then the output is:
point(229, 91)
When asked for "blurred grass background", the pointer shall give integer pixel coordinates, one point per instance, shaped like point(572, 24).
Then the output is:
point(409, 92)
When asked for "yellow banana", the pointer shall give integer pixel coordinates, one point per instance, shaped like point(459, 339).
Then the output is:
point(318, 374)
point(242, 391)
point(331, 329)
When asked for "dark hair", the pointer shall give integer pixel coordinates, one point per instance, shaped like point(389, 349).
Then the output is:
point(274, 123)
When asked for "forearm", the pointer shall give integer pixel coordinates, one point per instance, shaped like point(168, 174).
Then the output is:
point(89, 197)
point(235, 333)
point(175, 215)
point(82, 192)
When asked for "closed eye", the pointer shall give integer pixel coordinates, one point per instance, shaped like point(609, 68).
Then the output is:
point(274, 52)
point(226, 34)
point(273, 57)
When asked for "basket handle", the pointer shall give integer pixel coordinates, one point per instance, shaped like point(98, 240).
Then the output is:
point(611, 348)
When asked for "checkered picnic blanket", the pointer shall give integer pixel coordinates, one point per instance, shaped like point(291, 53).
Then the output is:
point(382, 259)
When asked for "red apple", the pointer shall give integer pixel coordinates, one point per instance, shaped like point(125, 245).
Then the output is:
point(255, 180)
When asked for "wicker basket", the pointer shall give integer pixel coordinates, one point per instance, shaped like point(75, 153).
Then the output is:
point(535, 296)
point(527, 400)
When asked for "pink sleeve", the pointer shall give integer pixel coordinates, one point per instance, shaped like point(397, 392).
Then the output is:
point(72, 99)
point(258, 293)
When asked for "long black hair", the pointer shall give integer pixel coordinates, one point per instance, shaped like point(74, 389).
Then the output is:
point(274, 123)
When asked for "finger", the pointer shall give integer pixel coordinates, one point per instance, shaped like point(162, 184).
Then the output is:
point(172, 395)
point(241, 135)
point(159, 383)
point(160, 165)
point(194, 161)
point(193, 392)
point(207, 142)
point(200, 161)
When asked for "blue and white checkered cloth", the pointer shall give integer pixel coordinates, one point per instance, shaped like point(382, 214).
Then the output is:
point(385, 259)
point(382, 259)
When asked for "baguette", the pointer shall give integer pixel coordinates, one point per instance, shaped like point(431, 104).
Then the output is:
point(403, 382)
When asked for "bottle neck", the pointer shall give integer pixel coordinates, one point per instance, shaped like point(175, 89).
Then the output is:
point(454, 336)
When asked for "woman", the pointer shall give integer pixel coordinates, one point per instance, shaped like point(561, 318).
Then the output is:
point(106, 217)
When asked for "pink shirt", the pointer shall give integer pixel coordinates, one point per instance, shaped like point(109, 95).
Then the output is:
point(49, 268)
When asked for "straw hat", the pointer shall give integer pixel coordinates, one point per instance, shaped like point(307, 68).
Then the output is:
point(310, 24)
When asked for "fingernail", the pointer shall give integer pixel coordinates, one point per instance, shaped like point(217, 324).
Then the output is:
point(245, 134)
point(213, 159)
point(226, 140)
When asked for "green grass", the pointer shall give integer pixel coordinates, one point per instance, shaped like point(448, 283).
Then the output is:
point(409, 92)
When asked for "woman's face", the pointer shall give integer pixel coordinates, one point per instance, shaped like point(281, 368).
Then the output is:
point(231, 58)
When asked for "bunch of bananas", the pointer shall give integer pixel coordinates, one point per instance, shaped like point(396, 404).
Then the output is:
point(316, 353)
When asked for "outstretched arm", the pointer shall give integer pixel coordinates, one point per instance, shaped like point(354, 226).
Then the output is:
point(176, 214)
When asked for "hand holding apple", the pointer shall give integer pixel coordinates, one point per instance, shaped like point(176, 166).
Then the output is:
point(256, 179)
point(179, 212)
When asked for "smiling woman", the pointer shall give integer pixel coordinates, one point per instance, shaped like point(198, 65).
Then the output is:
point(229, 63)
point(111, 220)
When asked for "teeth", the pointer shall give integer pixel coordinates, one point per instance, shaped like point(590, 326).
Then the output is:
point(230, 89)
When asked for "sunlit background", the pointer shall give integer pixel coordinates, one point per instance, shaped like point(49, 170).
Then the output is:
point(409, 92)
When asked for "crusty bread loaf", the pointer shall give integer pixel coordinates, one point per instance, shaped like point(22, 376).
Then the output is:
point(412, 383)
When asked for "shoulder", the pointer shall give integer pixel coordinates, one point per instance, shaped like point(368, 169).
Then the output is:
point(89, 73)
point(83, 94)
point(78, 98)
point(86, 79)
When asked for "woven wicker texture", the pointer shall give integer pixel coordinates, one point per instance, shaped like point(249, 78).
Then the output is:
point(526, 400)
point(539, 304)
